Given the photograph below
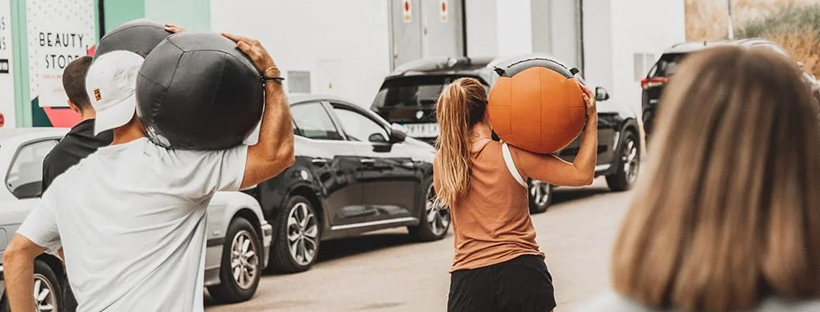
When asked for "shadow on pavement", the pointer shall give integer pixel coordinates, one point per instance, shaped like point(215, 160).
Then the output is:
point(336, 249)
point(571, 194)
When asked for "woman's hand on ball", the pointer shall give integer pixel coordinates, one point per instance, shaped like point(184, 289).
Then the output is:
point(253, 49)
point(589, 99)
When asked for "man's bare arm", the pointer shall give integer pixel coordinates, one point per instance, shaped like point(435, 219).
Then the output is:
point(18, 263)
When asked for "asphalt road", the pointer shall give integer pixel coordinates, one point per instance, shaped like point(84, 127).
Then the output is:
point(385, 271)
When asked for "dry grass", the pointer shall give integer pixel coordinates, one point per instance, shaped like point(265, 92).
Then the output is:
point(708, 20)
point(792, 24)
point(802, 46)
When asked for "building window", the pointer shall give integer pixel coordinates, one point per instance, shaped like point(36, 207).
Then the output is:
point(298, 81)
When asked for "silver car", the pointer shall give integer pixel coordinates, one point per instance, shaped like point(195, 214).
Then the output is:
point(238, 235)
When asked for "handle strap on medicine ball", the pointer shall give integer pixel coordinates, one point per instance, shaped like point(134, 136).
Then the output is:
point(505, 151)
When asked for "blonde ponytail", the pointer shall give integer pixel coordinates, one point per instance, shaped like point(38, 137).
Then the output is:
point(461, 105)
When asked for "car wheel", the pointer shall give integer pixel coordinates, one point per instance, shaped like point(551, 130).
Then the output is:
point(540, 196)
point(296, 243)
point(435, 219)
point(241, 266)
point(48, 293)
point(628, 163)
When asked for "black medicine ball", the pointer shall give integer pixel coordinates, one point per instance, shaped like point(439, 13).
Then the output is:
point(198, 91)
point(139, 36)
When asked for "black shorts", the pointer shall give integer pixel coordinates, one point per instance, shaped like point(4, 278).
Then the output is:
point(522, 284)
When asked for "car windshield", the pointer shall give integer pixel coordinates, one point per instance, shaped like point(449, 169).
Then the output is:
point(418, 91)
point(667, 65)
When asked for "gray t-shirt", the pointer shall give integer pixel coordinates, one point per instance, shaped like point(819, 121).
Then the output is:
point(614, 303)
point(132, 220)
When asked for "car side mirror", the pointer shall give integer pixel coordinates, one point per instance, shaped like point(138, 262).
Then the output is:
point(397, 133)
point(377, 138)
point(601, 94)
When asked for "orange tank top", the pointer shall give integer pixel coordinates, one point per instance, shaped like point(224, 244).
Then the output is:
point(491, 221)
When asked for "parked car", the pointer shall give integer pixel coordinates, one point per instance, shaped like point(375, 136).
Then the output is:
point(238, 236)
point(408, 97)
point(354, 173)
point(667, 65)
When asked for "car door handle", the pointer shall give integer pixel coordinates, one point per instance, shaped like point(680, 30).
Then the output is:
point(368, 161)
point(319, 162)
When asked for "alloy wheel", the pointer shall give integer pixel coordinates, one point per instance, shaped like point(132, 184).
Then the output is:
point(630, 161)
point(244, 259)
point(303, 233)
point(438, 217)
point(540, 192)
point(44, 295)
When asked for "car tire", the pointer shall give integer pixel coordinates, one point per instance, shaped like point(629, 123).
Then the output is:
point(628, 162)
point(46, 286)
point(297, 239)
point(4, 303)
point(242, 247)
point(648, 124)
point(539, 196)
point(433, 223)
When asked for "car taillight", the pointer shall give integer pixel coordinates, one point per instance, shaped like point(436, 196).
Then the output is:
point(2, 120)
point(652, 82)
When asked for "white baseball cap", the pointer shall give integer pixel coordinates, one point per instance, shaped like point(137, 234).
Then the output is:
point(111, 86)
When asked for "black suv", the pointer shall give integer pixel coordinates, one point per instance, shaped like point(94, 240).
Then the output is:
point(668, 63)
point(408, 97)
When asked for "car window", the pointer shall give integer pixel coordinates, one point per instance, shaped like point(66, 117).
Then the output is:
point(667, 65)
point(359, 127)
point(414, 91)
point(312, 121)
point(25, 178)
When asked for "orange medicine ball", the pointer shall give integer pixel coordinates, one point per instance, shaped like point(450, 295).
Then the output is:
point(537, 107)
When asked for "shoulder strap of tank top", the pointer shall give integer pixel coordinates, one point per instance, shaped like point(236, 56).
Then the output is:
point(505, 151)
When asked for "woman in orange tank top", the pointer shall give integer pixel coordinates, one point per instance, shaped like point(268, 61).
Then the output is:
point(498, 265)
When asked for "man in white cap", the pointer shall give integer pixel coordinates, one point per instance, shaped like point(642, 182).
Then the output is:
point(134, 233)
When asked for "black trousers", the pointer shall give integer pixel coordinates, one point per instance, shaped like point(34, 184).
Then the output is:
point(523, 284)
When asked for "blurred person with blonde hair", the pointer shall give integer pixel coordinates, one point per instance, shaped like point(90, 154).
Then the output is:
point(728, 219)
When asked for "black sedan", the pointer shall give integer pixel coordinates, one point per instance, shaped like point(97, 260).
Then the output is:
point(408, 97)
point(354, 173)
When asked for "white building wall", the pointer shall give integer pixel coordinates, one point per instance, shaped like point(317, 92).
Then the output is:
point(598, 44)
point(556, 30)
point(482, 34)
point(565, 31)
point(514, 27)
point(542, 20)
point(343, 44)
point(641, 28)
point(498, 27)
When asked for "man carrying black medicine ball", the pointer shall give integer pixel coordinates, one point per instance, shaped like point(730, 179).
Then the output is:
point(136, 227)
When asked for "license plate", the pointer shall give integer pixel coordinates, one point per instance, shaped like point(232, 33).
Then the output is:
point(426, 130)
